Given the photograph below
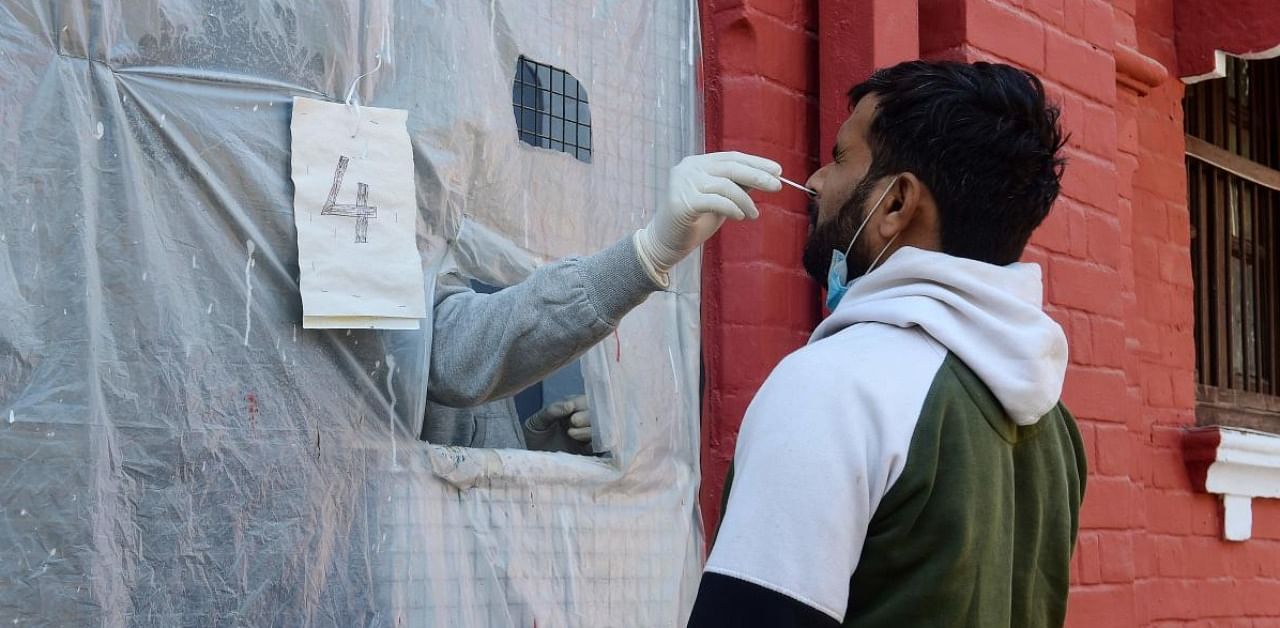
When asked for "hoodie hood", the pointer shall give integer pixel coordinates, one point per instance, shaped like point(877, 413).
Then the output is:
point(991, 317)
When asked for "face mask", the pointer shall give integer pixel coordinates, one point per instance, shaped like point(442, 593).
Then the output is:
point(837, 274)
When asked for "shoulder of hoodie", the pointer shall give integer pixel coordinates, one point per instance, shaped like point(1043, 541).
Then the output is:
point(864, 354)
point(868, 376)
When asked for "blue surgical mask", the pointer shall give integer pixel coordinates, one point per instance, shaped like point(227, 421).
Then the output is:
point(838, 282)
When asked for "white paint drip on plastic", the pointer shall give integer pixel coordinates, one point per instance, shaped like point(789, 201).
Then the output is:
point(144, 275)
point(99, 132)
point(255, 107)
point(11, 417)
point(210, 310)
point(162, 119)
point(193, 261)
point(391, 416)
point(248, 286)
point(524, 208)
point(675, 374)
point(295, 333)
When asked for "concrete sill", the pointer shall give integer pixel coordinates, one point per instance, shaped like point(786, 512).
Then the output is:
point(1238, 464)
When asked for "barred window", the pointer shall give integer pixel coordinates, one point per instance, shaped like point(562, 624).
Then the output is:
point(1233, 186)
point(551, 109)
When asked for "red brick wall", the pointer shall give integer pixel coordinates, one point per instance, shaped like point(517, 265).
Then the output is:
point(758, 305)
point(1116, 257)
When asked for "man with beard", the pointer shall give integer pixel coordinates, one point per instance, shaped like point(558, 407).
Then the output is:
point(913, 466)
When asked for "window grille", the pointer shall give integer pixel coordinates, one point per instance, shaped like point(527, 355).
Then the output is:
point(551, 109)
point(1233, 191)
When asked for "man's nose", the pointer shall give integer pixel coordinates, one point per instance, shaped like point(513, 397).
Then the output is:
point(814, 182)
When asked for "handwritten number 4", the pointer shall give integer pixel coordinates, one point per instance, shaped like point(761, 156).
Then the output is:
point(361, 210)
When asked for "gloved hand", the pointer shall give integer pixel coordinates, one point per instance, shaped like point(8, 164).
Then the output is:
point(704, 191)
point(546, 430)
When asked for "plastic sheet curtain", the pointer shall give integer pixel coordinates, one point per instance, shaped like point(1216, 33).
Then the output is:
point(175, 450)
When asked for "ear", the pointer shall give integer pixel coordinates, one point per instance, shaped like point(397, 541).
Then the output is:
point(902, 205)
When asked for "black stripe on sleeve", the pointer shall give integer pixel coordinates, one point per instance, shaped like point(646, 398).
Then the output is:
point(725, 602)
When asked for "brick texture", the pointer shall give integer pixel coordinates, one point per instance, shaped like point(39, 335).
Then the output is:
point(1117, 267)
point(760, 59)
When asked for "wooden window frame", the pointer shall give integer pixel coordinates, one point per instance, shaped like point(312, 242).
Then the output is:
point(1233, 156)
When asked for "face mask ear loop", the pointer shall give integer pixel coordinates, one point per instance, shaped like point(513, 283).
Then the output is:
point(871, 213)
point(882, 251)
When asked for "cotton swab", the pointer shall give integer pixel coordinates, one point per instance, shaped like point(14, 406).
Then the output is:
point(798, 186)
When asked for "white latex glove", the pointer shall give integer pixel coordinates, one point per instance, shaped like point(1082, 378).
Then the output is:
point(572, 415)
point(705, 190)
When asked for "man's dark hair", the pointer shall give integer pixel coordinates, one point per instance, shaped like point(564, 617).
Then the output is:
point(981, 137)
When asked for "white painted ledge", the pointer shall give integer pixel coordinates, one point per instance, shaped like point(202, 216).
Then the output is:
point(1238, 464)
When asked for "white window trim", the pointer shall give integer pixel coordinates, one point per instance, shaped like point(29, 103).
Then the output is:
point(1238, 464)
point(1220, 63)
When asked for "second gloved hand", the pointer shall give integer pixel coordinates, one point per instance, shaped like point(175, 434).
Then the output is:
point(705, 190)
point(571, 417)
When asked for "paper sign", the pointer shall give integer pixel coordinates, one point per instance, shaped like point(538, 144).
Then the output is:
point(355, 208)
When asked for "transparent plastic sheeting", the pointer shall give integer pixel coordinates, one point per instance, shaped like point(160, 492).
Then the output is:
point(175, 450)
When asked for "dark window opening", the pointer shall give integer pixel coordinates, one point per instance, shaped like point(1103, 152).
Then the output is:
point(1233, 194)
point(551, 109)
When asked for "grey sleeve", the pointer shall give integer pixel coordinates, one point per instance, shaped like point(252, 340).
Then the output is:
point(490, 346)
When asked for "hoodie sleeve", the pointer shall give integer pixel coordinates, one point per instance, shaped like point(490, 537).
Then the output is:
point(822, 442)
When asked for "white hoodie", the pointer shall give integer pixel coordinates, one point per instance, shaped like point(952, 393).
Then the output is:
point(829, 432)
point(991, 317)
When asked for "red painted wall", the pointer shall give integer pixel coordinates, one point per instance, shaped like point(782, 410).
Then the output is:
point(1239, 27)
point(1115, 251)
point(760, 73)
